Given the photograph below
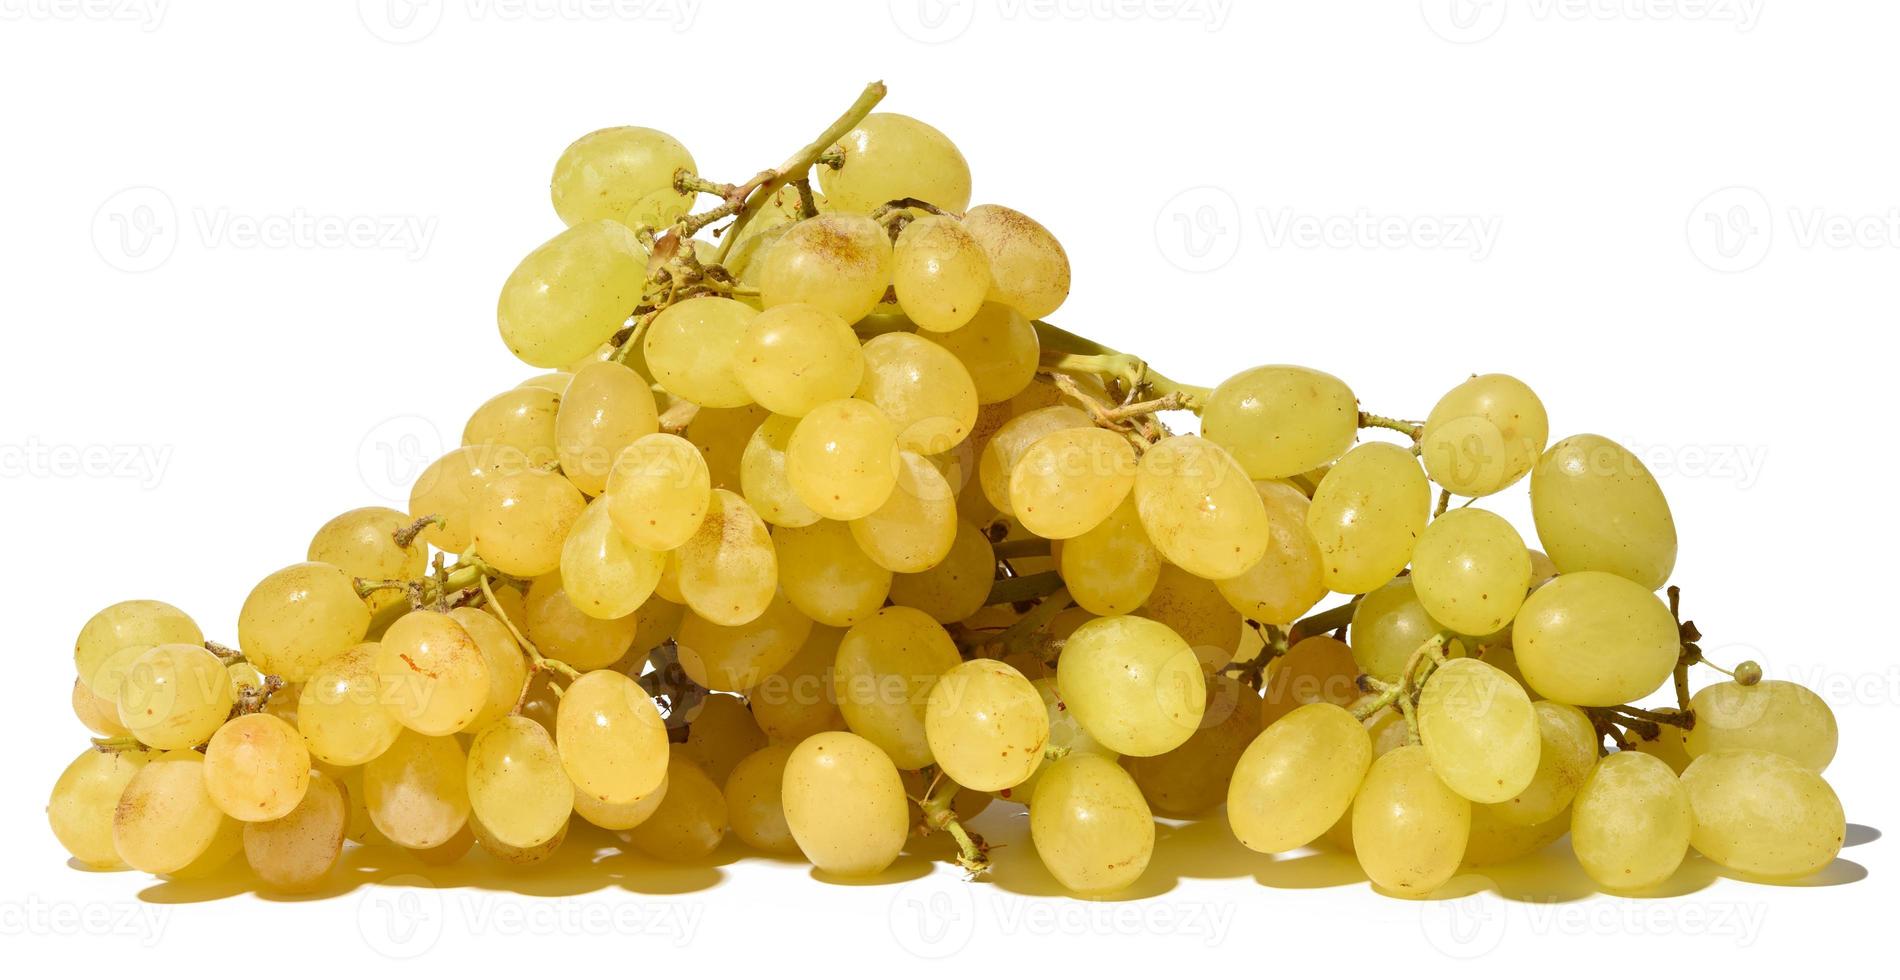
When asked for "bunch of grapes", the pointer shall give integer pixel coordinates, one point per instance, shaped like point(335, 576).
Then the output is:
point(817, 533)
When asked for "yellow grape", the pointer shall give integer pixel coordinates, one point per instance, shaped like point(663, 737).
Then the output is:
point(256, 768)
point(295, 852)
point(1408, 828)
point(1280, 420)
point(166, 819)
point(555, 381)
point(519, 419)
point(516, 784)
point(885, 670)
point(842, 459)
point(692, 347)
point(1483, 435)
point(840, 263)
point(1315, 670)
point(1493, 841)
point(174, 696)
point(1028, 268)
point(956, 587)
point(1066, 737)
point(452, 487)
point(1111, 568)
point(1631, 822)
point(1479, 731)
point(827, 576)
point(608, 171)
point(939, 272)
point(1591, 638)
point(137, 624)
point(606, 407)
point(1194, 608)
point(84, 798)
point(1774, 716)
point(343, 712)
point(1298, 778)
point(659, 491)
point(1367, 515)
point(438, 673)
point(1670, 745)
point(417, 791)
point(1133, 683)
point(1000, 350)
point(606, 576)
point(1071, 480)
point(1290, 577)
point(762, 475)
point(733, 658)
point(618, 816)
point(916, 525)
point(1569, 747)
point(844, 804)
point(300, 616)
point(796, 702)
point(522, 519)
point(986, 725)
point(1193, 777)
point(793, 358)
point(721, 435)
point(571, 294)
point(1598, 509)
point(728, 569)
point(362, 543)
point(659, 621)
point(997, 464)
point(612, 741)
point(755, 800)
point(1199, 508)
point(99, 714)
point(1388, 626)
point(508, 854)
point(889, 157)
point(560, 630)
point(1091, 828)
point(690, 821)
point(923, 389)
point(721, 732)
point(507, 667)
point(1471, 571)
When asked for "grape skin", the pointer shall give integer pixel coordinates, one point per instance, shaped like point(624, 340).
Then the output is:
point(1775, 716)
point(1090, 825)
point(571, 294)
point(298, 617)
point(256, 768)
point(1199, 508)
point(1408, 828)
point(1297, 778)
point(1593, 639)
point(1631, 822)
point(166, 819)
point(1483, 435)
point(1597, 508)
point(986, 725)
point(295, 852)
point(1471, 571)
point(1280, 420)
point(1367, 515)
point(607, 172)
point(1479, 731)
point(136, 623)
point(1763, 814)
point(1133, 683)
point(845, 804)
point(83, 800)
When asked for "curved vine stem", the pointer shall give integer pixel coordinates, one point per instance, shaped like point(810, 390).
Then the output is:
point(761, 188)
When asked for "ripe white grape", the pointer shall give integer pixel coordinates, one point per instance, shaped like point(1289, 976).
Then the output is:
point(1598, 509)
point(690, 821)
point(1591, 638)
point(842, 459)
point(521, 420)
point(1199, 508)
point(174, 696)
point(888, 157)
point(1280, 420)
point(298, 617)
point(796, 701)
point(1133, 683)
point(1631, 822)
point(659, 491)
point(293, 853)
point(885, 670)
point(1090, 825)
point(923, 389)
point(762, 477)
point(1483, 435)
point(986, 725)
point(1111, 568)
point(1029, 270)
point(755, 800)
point(571, 294)
point(1000, 350)
point(733, 658)
point(1408, 828)
point(135, 624)
point(1007, 446)
point(343, 711)
point(720, 732)
point(562, 631)
point(1194, 608)
point(1071, 480)
point(844, 804)
point(1764, 814)
point(1316, 670)
point(1569, 744)
point(793, 358)
point(1289, 578)
point(362, 543)
point(436, 674)
point(516, 784)
point(1298, 777)
point(604, 408)
point(827, 576)
point(256, 768)
point(611, 739)
point(1471, 571)
point(522, 519)
point(692, 348)
point(166, 820)
point(607, 172)
point(605, 575)
point(84, 798)
point(956, 587)
point(1193, 777)
point(916, 525)
point(1367, 515)
point(417, 791)
point(940, 273)
point(1774, 716)
point(840, 263)
point(728, 570)
point(1479, 731)
point(1388, 626)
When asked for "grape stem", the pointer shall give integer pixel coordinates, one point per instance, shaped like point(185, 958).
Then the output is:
point(1022, 588)
point(973, 855)
point(117, 743)
point(1414, 430)
point(1321, 623)
point(753, 193)
point(1026, 548)
point(535, 659)
point(226, 655)
point(406, 535)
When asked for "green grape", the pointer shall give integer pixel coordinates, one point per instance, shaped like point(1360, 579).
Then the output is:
point(997, 463)
point(659, 492)
point(939, 272)
point(1133, 683)
point(728, 569)
point(1367, 515)
point(842, 459)
point(1631, 822)
point(256, 768)
point(451, 487)
point(606, 576)
point(922, 388)
point(99, 714)
point(692, 347)
point(755, 800)
point(828, 577)
point(1495, 841)
point(733, 658)
point(521, 520)
point(1290, 577)
point(362, 543)
point(986, 725)
point(561, 631)
point(618, 816)
point(571, 294)
point(844, 804)
point(612, 741)
point(796, 702)
point(606, 407)
point(519, 419)
point(916, 525)
point(721, 435)
point(1071, 480)
point(1483, 435)
point(507, 667)
point(1029, 271)
point(1111, 568)
point(1774, 716)
point(1316, 670)
point(793, 358)
point(294, 853)
point(174, 696)
point(1471, 571)
point(508, 854)
point(1192, 778)
point(138, 624)
point(1298, 778)
point(889, 157)
point(417, 791)
point(298, 617)
point(1569, 744)
point(1000, 350)
point(840, 263)
point(1670, 745)
point(1388, 626)
point(956, 587)
point(165, 820)
point(762, 476)
point(435, 672)
point(1199, 508)
point(886, 667)
point(1542, 568)
point(555, 381)
point(1280, 420)
point(1591, 638)
point(516, 785)
point(1598, 509)
point(1194, 608)
point(1090, 825)
point(1067, 737)
point(721, 732)
point(83, 801)
point(342, 711)
point(1408, 828)
point(608, 171)
point(691, 819)
point(1479, 731)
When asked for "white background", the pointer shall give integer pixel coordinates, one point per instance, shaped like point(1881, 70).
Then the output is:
point(1689, 235)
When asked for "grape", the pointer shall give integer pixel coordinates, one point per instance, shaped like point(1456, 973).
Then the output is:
point(721, 435)
point(1598, 509)
point(659, 621)
point(1071, 480)
point(256, 768)
point(939, 272)
point(99, 714)
point(1591, 638)
point(889, 157)
point(417, 790)
point(1483, 435)
point(1090, 825)
point(612, 741)
point(605, 173)
point(555, 381)
point(916, 525)
point(571, 294)
point(1316, 670)
point(436, 675)
point(1569, 744)
point(845, 804)
point(1193, 777)
point(1133, 683)
point(450, 489)
point(516, 785)
point(605, 576)
point(1762, 813)
point(720, 733)
point(294, 853)
point(521, 520)
point(1774, 716)
point(174, 696)
point(1111, 568)
point(1194, 608)
point(733, 658)
point(508, 854)
point(1479, 731)
point(659, 492)
point(795, 702)
point(1630, 824)
point(1297, 778)
point(166, 820)
point(842, 459)
point(1006, 448)
point(1199, 508)
point(886, 668)
point(1388, 626)
point(1471, 571)
point(362, 543)
point(83, 801)
point(1496, 841)
point(1367, 515)
point(728, 570)
point(793, 358)
point(827, 576)
point(1028, 268)
point(135, 623)
point(561, 631)
point(762, 475)
point(1289, 578)
point(519, 419)
point(618, 816)
point(755, 800)
point(1408, 828)
point(1280, 420)
point(924, 389)
point(840, 263)
point(341, 712)
point(298, 617)
point(1669, 745)
point(956, 587)
point(1067, 737)
point(692, 347)
point(1000, 350)
point(606, 407)
point(986, 725)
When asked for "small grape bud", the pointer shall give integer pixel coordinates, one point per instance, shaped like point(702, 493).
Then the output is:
point(1748, 673)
